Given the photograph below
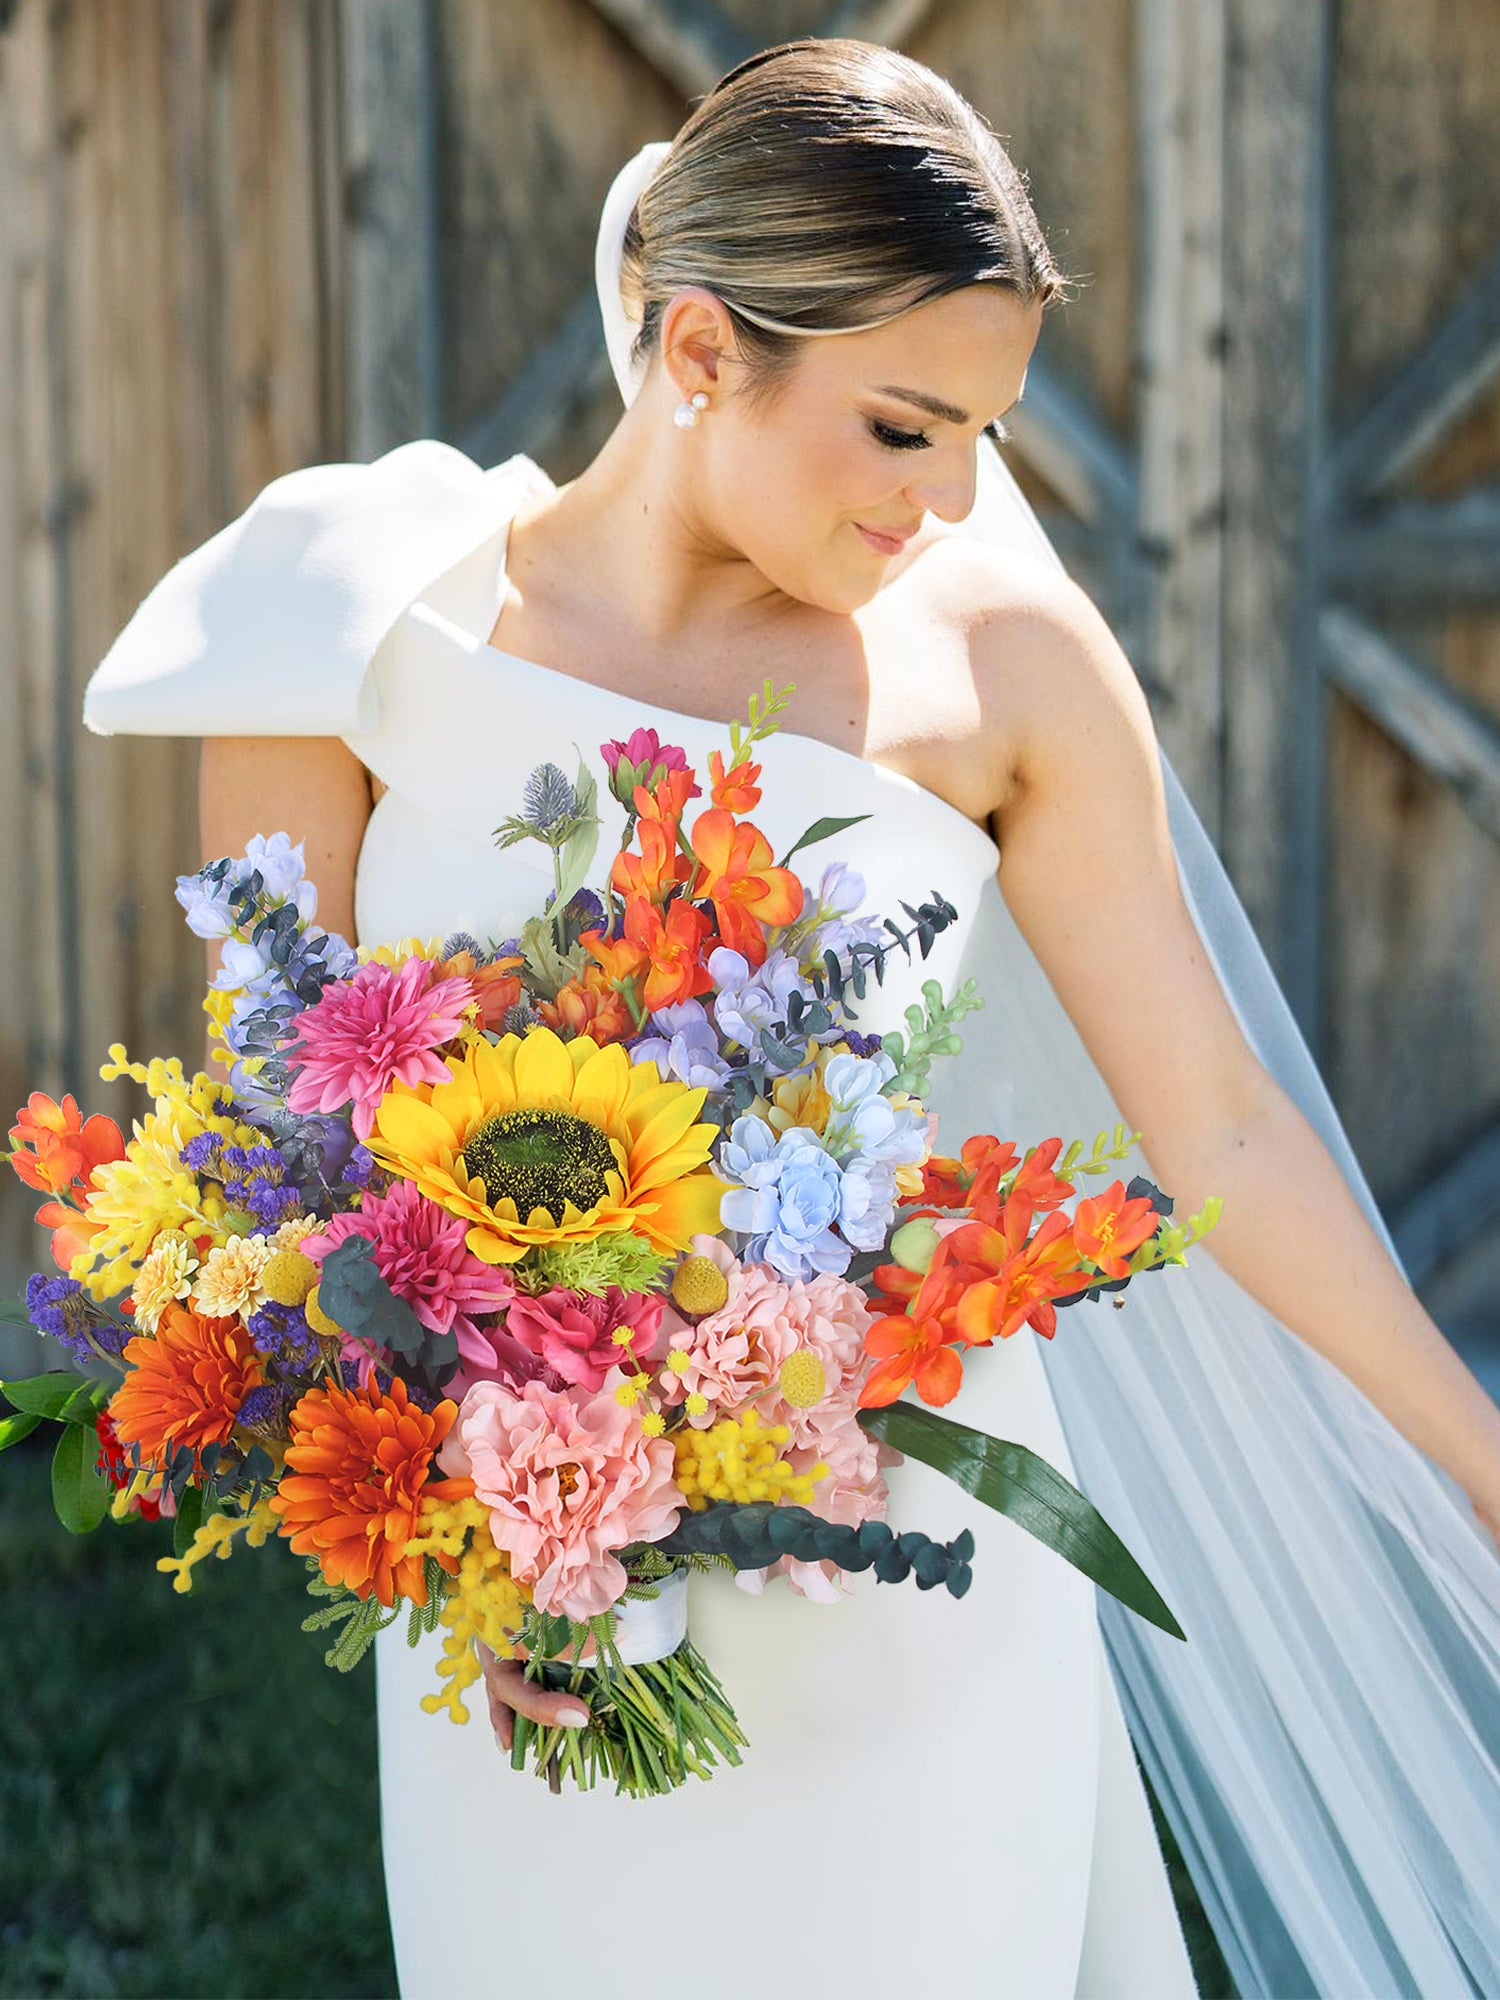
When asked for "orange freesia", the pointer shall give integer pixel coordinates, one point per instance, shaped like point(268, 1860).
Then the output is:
point(736, 790)
point(659, 956)
point(55, 1147)
point(1024, 1277)
point(359, 1460)
point(740, 881)
point(186, 1382)
point(659, 866)
point(1107, 1227)
point(912, 1350)
point(71, 1232)
point(667, 799)
point(497, 986)
point(588, 1006)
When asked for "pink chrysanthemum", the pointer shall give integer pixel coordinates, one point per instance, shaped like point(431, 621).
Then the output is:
point(567, 1480)
point(421, 1254)
point(383, 1023)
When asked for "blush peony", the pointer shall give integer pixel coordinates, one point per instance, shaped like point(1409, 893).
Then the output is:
point(567, 1481)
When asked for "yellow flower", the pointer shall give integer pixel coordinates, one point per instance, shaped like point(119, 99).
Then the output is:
point(166, 1274)
point(230, 1284)
point(482, 1601)
point(736, 1460)
point(397, 954)
point(536, 1142)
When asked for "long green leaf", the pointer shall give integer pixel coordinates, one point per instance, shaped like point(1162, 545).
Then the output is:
point(61, 1395)
point(13, 1429)
point(188, 1519)
point(1028, 1491)
point(821, 829)
point(80, 1492)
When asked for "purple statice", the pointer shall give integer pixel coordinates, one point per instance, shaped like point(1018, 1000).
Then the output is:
point(281, 1333)
point(265, 1408)
point(683, 1043)
point(256, 1178)
point(861, 1045)
point(57, 1306)
point(360, 1165)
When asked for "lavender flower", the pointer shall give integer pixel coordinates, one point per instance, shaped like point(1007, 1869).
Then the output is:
point(683, 1043)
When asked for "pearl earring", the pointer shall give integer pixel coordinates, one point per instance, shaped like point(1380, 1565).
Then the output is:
point(686, 413)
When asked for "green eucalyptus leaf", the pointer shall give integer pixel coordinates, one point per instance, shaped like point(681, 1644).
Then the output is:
point(60, 1394)
point(80, 1491)
point(1028, 1491)
point(821, 829)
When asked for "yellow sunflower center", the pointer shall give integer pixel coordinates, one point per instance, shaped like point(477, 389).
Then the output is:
point(541, 1159)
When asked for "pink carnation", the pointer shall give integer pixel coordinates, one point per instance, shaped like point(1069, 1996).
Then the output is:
point(566, 1482)
point(734, 1354)
point(382, 1023)
point(571, 1331)
point(421, 1253)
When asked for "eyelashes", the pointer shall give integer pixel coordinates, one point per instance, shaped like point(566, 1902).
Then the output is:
point(898, 440)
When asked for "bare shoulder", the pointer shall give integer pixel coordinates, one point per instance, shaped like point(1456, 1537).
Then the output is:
point(1043, 659)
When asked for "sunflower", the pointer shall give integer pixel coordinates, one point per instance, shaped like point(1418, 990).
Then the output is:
point(535, 1141)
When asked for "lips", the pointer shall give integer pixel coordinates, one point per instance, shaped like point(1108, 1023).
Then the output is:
point(885, 538)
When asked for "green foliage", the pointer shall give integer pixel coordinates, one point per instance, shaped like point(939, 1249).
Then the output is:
point(60, 1396)
point(360, 1617)
point(80, 1491)
point(1030, 1492)
point(929, 1033)
point(188, 1520)
point(821, 829)
point(619, 1257)
point(352, 1291)
point(754, 1534)
point(763, 711)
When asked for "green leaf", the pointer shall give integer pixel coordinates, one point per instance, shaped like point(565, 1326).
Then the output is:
point(61, 1395)
point(821, 829)
point(188, 1520)
point(1030, 1492)
point(577, 855)
point(13, 1429)
point(80, 1492)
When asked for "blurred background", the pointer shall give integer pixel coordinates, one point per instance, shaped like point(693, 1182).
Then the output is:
point(241, 236)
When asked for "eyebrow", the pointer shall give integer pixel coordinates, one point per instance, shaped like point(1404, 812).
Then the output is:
point(933, 405)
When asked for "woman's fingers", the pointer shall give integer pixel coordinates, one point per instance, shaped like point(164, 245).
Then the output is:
point(511, 1694)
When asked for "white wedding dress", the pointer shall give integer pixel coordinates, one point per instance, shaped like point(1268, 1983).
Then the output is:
point(939, 1795)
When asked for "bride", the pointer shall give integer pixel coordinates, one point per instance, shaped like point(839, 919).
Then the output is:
point(820, 300)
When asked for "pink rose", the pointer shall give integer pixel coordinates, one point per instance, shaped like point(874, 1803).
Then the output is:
point(572, 1331)
point(567, 1481)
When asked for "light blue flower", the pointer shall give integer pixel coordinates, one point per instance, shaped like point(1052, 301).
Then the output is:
point(748, 1001)
point(789, 1199)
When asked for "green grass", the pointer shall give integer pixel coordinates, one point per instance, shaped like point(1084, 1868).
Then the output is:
point(189, 1801)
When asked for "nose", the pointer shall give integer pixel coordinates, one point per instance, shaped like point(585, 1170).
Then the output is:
point(950, 496)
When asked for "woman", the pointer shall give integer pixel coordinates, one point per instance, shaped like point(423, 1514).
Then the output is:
point(820, 301)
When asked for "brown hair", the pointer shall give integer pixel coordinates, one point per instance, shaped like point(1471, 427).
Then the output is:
point(822, 186)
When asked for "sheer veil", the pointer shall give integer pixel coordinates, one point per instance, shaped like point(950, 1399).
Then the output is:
point(1326, 1746)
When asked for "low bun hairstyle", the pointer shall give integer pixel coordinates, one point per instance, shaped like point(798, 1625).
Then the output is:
point(824, 186)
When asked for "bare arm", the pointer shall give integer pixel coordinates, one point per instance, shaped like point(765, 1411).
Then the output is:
point(1089, 873)
point(311, 787)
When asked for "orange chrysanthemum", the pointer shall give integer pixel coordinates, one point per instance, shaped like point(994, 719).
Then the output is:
point(186, 1383)
point(358, 1478)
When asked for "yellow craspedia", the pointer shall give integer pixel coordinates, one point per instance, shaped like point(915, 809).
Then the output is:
point(803, 1379)
point(699, 1286)
point(317, 1319)
point(288, 1277)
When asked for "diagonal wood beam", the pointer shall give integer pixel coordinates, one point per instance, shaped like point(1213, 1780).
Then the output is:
point(689, 41)
point(1449, 737)
point(1063, 438)
point(551, 391)
point(1451, 1208)
point(1424, 401)
point(1439, 554)
point(890, 22)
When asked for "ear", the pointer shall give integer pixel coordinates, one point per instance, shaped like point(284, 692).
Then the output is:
point(697, 336)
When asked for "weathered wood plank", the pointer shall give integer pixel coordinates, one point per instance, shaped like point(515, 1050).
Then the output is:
point(1179, 94)
point(1419, 555)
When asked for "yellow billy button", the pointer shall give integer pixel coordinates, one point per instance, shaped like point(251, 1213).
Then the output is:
point(288, 1277)
point(803, 1379)
point(317, 1319)
point(699, 1286)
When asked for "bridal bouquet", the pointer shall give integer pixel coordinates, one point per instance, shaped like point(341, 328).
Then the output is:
point(510, 1281)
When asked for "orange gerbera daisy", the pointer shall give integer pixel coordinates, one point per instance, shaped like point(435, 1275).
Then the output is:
point(359, 1460)
point(186, 1382)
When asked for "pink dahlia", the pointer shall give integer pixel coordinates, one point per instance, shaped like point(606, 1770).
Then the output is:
point(382, 1023)
point(567, 1481)
point(421, 1254)
point(572, 1331)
